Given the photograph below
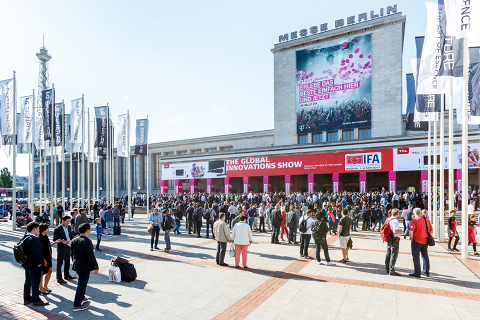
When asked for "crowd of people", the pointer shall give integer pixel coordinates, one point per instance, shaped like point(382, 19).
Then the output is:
point(234, 218)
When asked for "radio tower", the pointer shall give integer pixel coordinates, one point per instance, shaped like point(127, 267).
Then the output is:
point(43, 82)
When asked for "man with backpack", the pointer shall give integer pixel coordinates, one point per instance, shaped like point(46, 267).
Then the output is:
point(210, 219)
point(319, 233)
point(276, 223)
point(168, 223)
point(391, 234)
point(305, 228)
point(31, 252)
point(344, 228)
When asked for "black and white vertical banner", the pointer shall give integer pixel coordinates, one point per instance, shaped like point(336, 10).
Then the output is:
point(38, 136)
point(25, 133)
point(66, 130)
point(411, 123)
point(122, 149)
point(141, 134)
point(101, 123)
point(428, 80)
point(473, 96)
point(6, 114)
point(22, 148)
point(76, 118)
point(47, 105)
point(58, 132)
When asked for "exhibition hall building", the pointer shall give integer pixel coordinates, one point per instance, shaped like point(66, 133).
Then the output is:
point(338, 125)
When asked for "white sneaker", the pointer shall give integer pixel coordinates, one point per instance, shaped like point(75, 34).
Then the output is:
point(330, 263)
point(319, 263)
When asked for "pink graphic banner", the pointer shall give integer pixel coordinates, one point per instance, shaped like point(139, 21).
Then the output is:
point(363, 181)
point(267, 187)
point(178, 186)
point(228, 185)
point(311, 183)
point(288, 184)
point(392, 181)
point(210, 185)
point(193, 186)
point(164, 186)
point(424, 181)
point(458, 180)
point(246, 185)
point(336, 182)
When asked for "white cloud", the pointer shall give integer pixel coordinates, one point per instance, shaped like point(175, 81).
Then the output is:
point(176, 120)
point(216, 108)
point(125, 98)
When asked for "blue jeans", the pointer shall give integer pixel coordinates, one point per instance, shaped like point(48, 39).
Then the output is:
point(250, 222)
point(167, 239)
point(418, 249)
point(355, 224)
point(379, 222)
point(408, 226)
point(176, 229)
point(210, 223)
point(81, 288)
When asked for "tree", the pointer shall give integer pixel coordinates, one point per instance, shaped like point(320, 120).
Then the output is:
point(5, 178)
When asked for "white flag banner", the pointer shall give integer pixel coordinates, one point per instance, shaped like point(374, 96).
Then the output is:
point(38, 132)
point(463, 20)
point(76, 121)
point(48, 150)
point(122, 150)
point(428, 81)
point(77, 147)
point(58, 151)
point(25, 134)
point(6, 112)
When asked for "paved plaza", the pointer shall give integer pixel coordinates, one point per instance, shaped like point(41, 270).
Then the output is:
point(187, 284)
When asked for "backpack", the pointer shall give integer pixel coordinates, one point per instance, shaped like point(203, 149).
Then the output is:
point(195, 215)
point(316, 229)
point(386, 233)
point(303, 225)
point(128, 272)
point(207, 214)
point(20, 252)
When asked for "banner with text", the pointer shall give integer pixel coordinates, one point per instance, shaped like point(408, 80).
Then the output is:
point(334, 86)
point(194, 170)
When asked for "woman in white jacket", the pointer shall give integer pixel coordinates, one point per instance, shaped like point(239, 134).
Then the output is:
point(242, 238)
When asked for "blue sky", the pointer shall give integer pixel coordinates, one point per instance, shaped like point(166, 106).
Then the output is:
point(196, 68)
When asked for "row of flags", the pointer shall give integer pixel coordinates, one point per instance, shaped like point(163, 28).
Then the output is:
point(47, 125)
point(452, 27)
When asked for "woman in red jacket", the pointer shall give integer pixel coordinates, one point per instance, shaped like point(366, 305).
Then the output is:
point(283, 227)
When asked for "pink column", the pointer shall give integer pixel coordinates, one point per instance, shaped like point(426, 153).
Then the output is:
point(311, 183)
point(363, 181)
point(246, 185)
point(424, 182)
point(336, 182)
point(458, 180)
point(163, 186)
point(178, 186)
point(193, 186)
point(210, 186)
point(228, 185)
point(392, 181)
point(288, 184)
point(267, 187)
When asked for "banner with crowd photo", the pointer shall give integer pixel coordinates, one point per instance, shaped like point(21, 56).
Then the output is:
point(323, 163)
point(194, 170)
point(334, 86)
point(141, 133)
point(416, 159)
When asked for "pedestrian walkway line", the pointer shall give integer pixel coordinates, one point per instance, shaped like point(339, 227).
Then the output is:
point(242, 308)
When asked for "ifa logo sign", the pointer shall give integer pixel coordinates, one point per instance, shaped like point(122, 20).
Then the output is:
point(363, 161)
point(166, 166)
point(403, 151)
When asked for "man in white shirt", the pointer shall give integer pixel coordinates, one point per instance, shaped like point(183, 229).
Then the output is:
point(232, 211)
point(471, 208)
point(261, 215)
point(307, 235)
point(393, 244)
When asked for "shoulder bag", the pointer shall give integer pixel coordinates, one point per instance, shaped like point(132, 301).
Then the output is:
point(430, 240)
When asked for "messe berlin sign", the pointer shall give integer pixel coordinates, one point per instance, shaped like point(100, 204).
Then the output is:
point(338, 24)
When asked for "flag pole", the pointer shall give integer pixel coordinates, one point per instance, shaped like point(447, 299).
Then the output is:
point(62, 136)
point(82, 185)
point(435, 186)
point(112, 171)
point(88, 162)
point(14, 146)
point(70, 194)
point(32, 149)
point(465, 153)
point(148, 167)
point(45, 175)
point(451, 180)
point(441, 231)
point(429, 170)
point(129, 177)
point(52, 150)
point(107, 169)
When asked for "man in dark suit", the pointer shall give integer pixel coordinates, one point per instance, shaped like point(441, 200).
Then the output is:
point(64, 233)
point(276, 223)
point(83, 262)
point(34, 252)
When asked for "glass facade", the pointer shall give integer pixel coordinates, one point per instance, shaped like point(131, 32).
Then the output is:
point(316, 137)
point(347, 135)
point(365, 133)
point(332, 136)
point(302, 139)
point(158, 178)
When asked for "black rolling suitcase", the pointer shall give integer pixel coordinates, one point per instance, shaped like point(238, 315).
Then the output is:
point(117, 230)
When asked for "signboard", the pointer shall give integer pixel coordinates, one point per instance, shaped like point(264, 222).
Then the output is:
point(416, 159)
point(334, 86)
point(194, 170)
point(324, 163)
point(4, 192)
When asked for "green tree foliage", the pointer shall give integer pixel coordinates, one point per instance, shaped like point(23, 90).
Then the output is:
point(5, 178)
